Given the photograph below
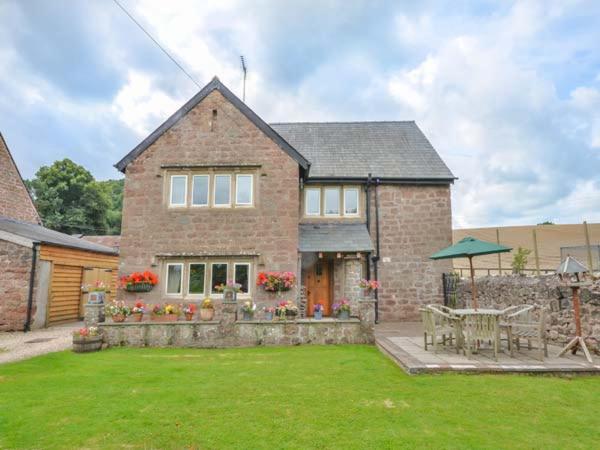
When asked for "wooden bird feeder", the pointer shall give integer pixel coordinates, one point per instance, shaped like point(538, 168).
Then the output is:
point(574, 274)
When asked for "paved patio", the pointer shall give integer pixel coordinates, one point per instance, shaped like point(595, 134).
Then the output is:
point(403, 343)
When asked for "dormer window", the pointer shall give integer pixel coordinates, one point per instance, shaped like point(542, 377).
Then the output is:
point(332, 201)
point(329, 201)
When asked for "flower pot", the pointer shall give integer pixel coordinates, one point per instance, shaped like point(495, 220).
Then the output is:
point(189, 316)
point(368, 293)
point(207, 314)
point(87, 344)
point(96, 297)
point(139, 287)
point(269, 316)
point(118, 318)
point(229, 295)
point(289, 316)
point(318, 315)
point(344, 315)
point(137, 317)
point(170, 318)
point(247, 315)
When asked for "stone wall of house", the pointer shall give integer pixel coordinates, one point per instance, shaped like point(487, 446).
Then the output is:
point(414, 222)
point(268, 231)
point(503, 291)
point(226, 331)
point(15, 201)
point(15, 270)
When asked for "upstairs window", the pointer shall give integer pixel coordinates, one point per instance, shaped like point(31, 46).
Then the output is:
point(243, 191)
point(178, 190)
point(200, 190)
point(351, 202)
point(222, 190)
point(312, 200)
point(332, 201)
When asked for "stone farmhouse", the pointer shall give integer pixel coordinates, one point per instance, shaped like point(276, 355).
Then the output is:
point(217, 194)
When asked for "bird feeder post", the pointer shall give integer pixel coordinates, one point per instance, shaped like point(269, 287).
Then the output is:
point(572, 269)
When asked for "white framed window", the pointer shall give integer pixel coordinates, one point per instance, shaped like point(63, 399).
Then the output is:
point(243, 189)
point(218, 275)
point(222, 192)
point(200, 190)
point(332, 201)
point(351, 201)
point(241, 275)
point(312, 201)
point(196, 278)
point(178, 194)
point(174, 278)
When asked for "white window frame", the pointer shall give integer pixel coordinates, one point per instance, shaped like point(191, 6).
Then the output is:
point(237, 177)
point(235, 264)
point(200, 205)
point(189, 274)
point(318, 213)
point(357, 213)
point(180, 294)
point(211, 291)
point(185, 192)
point(338, 214)
point(214, 202)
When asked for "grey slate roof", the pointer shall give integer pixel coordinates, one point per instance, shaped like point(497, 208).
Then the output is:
point(40, 234)
point(214, 85)
point(335, 237)
point(393, 150)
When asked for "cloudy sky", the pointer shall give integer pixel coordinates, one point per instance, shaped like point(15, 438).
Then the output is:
point(507, 92)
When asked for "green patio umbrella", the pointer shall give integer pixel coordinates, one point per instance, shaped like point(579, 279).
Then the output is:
point(467, 248)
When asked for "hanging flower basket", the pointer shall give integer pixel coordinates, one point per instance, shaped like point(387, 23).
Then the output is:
point(139, 287)
point(139, 281)
point(276, 281)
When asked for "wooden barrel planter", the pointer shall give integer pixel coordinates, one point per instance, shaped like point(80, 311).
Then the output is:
point(87, 344)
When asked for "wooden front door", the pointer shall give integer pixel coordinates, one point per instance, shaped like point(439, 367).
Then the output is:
point(319, 285)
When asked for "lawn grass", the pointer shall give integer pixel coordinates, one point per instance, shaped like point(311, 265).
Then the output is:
point(296, 397)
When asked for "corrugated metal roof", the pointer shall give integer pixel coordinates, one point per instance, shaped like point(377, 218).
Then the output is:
point(350, 237)
point(40, 234)
point(396, 150)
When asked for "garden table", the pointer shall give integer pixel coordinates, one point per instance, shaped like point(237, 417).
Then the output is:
point(481, 330)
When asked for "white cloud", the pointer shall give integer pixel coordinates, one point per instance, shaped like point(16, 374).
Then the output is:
point(141, 104)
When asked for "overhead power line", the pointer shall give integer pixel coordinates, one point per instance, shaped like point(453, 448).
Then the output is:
point(157, 44)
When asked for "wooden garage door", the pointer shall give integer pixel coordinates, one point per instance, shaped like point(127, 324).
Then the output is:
point(65, 293)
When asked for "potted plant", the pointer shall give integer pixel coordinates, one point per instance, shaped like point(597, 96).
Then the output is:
point(118, 311)
point(286, 310)
point(318, 311)
point(139, 281)
point(342, 309)
point(207, 310)
point(87, 340)
point(229, 290)
point(165, 313)
point(137, 312)
point(189, 312)
point(276, 281)
point(96, 291)
point(269, 311)
point(248, 309)
point(368, 287)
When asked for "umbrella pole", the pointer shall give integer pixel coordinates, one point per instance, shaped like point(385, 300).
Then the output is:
point(473, 287)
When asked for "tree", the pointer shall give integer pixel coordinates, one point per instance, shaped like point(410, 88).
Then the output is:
point(546, 222)
point(114, 190)
point(520, 260)
point(69, 199)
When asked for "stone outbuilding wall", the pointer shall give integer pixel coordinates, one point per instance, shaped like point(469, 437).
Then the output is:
point(503, 291)
point(15, 270)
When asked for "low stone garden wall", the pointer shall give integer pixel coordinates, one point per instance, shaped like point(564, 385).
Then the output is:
point(503, 291)
point(230, 332)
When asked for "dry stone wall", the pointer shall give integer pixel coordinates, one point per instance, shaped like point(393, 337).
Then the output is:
point(503, 291)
